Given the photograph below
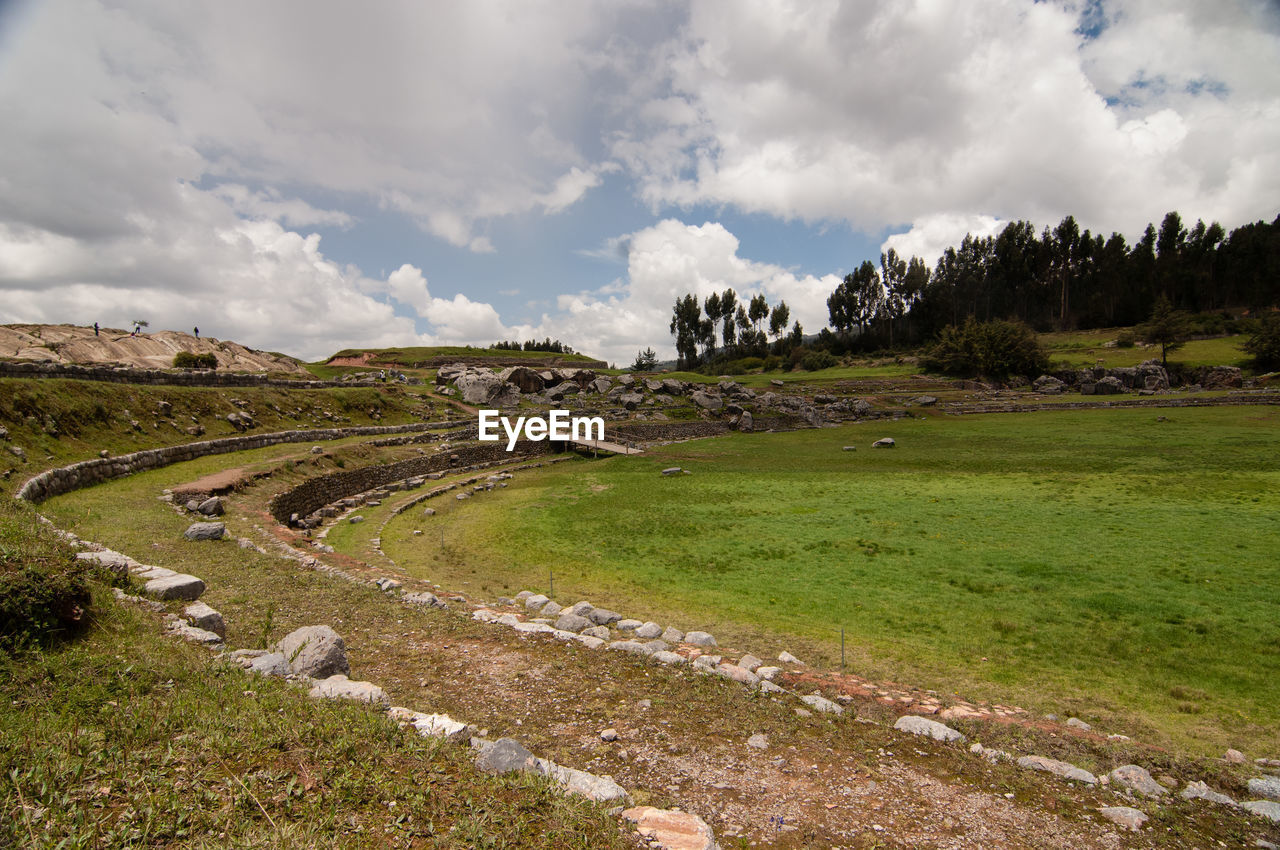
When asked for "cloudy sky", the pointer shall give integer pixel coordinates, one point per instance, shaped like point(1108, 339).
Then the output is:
point(306, 176)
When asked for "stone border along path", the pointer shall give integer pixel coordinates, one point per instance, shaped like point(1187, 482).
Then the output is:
point(314, 658)
point(590, 626)
point(749, 671)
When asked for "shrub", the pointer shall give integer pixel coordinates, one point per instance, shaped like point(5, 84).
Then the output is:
point(1126, 339)
point(44, 590)
point(187, 360)
point(995, 349)
point(815, 360)
point(1264, 344)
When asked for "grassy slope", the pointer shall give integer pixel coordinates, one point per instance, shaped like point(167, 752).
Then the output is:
point(1086, 348)
point(59, 421)
point(124, 737)
point(1098, 563)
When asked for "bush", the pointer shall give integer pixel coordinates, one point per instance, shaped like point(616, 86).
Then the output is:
point(1126, 339)
point(815, 360)
point(187, 360)
point(44, 590)
point(1264, 344)
point(995, 349)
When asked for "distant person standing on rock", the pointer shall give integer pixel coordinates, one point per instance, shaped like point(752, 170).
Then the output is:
point(95, 328)
point(197, 332)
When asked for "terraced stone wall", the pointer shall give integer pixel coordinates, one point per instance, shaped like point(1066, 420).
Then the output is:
point(315, 493)
point(133, 375)
point(55, 482)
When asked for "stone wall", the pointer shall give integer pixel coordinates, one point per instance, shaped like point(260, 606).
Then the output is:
point(133, 375)
point(657, 431)
point(315, 493)
point(55, 482)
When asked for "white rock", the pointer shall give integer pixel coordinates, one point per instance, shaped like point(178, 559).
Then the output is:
point(339, 686)
point(820, 703)
point(926, 727)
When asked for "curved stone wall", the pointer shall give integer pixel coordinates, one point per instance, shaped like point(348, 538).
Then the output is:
point(55, 482)
point(133, 375)
point(314, 493)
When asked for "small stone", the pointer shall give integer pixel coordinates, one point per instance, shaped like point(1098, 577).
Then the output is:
point(211, 507)
point(504, 756)
point(768, 673)
point(1059, 768)
point(672, 635)
point(738, 674)
point(1200, 791)
point(1077, 723)
point(672, 829)
point(1268, 809)
point(649, 631)
point(429, 512)
point(582, 608)
point(1267, 787)
point(315, 651)
point(822, 704)
point(179, 586)
point(339, 686)
point(627, 625)
point(749, 663)
point(767, 687)
point(205, 531)
point(667, 657)
point(598, 632)
point(758, 741)
point(571, 622)
point(699, 639)
point(1124, 816)
point(884, 443)
point(603, 616)
point(356, 520)
point(1135, 778)
point(788, 658)
point(848, 448)
point(609, 735)
point(202, 616)
point(1233, 757)
point(672, 470)
point(926, 727)
point(271, 664)
point(535, 602)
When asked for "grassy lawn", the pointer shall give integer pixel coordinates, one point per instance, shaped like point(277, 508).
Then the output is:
point(1096, 563)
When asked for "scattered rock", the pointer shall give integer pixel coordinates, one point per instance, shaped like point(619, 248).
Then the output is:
point(571, 622)
point(926, 727)
point(649, 630)
point(737, 674)
point(1267, 787)
point(503, 756)
point(609, 735)
point(1058, 768)
point(672, 470)
point(202, 616)
point(1077, 723)
point(551, 609)
point(211, 507)
point(767, 673)
point(603, 616)
point(749, 663)
point(788, 658)
point(1135, 778)
point(193, 634)
point(758, 741)
point(425, 599)
point(535, 601)
point(884, 443)
point(1233, 757)
point(632, 646)
point(821, 703)
point(1268, 809)
point(672, 635)
point(627, 625)
point(339, 686)
point(1124, 816)
point(179, 586)
point(667, 657)
point(671, 828)
point(271, 664)
point(849, 448)
point(699, 639)
point(206, 531)
point(431, 725)
point(598, 632)
point(315, 651)
point(601, 789)
point(1201, 791)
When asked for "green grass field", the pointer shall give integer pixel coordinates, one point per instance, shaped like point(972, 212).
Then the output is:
point(1097, 563)
point(1086, 348)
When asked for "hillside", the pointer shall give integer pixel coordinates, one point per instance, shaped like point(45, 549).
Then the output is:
point(420, 357)
point(75, 344)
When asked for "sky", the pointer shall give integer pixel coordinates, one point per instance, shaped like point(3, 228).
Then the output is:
point(309, 176)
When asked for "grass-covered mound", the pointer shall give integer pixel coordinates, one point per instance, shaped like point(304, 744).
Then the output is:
point(1117, 565)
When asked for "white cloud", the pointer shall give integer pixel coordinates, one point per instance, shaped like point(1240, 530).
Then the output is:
point(933, 234)
point(879, 114)
point(665, 262)
point(267, 203)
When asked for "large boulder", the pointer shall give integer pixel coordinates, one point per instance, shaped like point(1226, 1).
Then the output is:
point(315, 651)
point(206, 531)
point(1048, 385)
point(179, 586)
point(479, 386)
point(672, 828)
point(524, 379)
point(707, 401)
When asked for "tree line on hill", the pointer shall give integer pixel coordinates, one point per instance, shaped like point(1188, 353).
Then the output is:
point(553, 346)
point(1060, 278)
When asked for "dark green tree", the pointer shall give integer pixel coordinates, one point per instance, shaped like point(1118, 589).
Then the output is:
point(646, 361)
point(778, 319)
point(1167, 328)
point(1264, 344)
point(686, 327)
